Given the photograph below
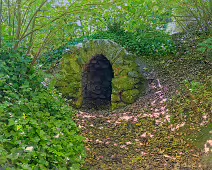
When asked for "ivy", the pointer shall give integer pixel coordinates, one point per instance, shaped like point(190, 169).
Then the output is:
point(36, 126)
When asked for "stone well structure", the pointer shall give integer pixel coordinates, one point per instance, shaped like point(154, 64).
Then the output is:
point(99, 74)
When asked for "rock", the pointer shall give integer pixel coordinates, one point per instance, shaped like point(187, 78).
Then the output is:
point(133, 74)
point(115, 98)
point(117, 105)
point(130, 96)
point(124, 83)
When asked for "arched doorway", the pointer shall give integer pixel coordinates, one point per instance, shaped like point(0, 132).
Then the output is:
point(97, 83)
point(127, 83)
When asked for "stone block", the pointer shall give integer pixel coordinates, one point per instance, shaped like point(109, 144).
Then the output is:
point(130, 96)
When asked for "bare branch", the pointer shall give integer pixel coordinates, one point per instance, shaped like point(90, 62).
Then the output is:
point(34, 15)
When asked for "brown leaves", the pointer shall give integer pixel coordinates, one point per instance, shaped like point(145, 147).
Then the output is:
point(149, 134)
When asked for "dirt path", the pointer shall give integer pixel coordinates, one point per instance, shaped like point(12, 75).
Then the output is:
point(141, 138)
point(138, 137)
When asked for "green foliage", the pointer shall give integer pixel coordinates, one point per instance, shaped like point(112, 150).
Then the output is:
point(36, 126)
point(205, 48)
point(154, 43)
point(129, 96)
point(42, 26)
point(137, 15)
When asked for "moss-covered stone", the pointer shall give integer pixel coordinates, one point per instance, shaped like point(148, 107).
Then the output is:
point(130, 96)
point(118, 105)
point(126, 72)
point(124, 83)
point(115, 98)
point(79, 101)
point(133, 74)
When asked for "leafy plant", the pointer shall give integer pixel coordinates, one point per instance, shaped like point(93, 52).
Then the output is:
point(153, 43)
point(205, 48)
point(36, 126)
point(42, 26)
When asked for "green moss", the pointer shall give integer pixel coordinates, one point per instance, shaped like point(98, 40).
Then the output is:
point(200, 138)
point(115, 91)
point(73, 78)
point(115, 98)
point(124, 83)
point(119, 61)
point(78, 103)
point(72, 66)
point(130, 96)
point(125, 70)
point(117, 105)
point(69, 89)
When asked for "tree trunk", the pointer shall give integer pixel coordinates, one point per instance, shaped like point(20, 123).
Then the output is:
point(9, 17)
point(18, 31)
point(31, 37)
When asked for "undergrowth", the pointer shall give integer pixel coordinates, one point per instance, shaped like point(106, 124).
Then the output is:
point(36, 126)
point(154, 43)
point(193, 101)
point(192, 106)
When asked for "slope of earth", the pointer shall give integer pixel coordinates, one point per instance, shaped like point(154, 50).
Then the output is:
point(142, 136)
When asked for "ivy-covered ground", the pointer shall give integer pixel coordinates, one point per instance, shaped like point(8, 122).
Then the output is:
point(168, 128)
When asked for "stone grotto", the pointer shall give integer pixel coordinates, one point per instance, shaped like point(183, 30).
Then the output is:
point(99, 74)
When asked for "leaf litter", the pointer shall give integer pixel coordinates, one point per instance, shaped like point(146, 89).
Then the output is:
point(142, 135)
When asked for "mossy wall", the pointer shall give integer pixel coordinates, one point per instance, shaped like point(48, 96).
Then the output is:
point(127, 80)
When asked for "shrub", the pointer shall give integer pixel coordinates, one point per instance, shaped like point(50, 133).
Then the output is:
point(155, 43)
point(205, 48)
point(36, 126)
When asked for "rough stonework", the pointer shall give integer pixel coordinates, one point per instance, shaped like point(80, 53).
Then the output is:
point(97, 83)
point(86, 73)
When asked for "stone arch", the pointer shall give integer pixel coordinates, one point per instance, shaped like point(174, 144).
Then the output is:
point(126, 84)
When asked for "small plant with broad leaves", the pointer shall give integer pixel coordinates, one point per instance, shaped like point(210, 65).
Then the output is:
point(36, 126)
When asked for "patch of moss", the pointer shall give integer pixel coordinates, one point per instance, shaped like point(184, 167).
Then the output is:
point(78, 103)
point(133, 74)
point(117, 105)
point(115, 98)
point(71, 65)
point(130, 96)
point(200, 138)
point(124, 83)
point(207, 161)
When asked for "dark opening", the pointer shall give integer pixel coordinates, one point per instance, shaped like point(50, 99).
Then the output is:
point(96, 82)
